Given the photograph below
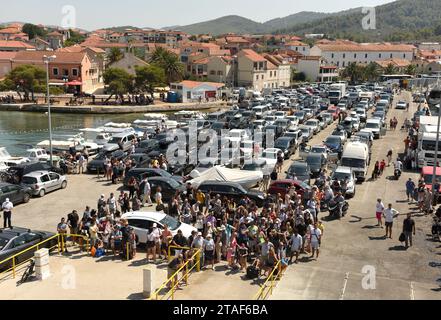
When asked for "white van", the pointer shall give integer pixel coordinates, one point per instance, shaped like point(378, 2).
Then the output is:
point(374, 125)
point(356, 156)
point(261, 111)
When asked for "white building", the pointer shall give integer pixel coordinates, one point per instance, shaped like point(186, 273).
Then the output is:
point(298, 46)
point(194, 91)
point(317, 69)
point(342, 53)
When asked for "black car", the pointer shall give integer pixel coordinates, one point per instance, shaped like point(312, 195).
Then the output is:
point(299, 170)
point(149, 145)
point(219, 126)
point(140, 173)
point(316, 161)
point(140, 159)
point(16, 240)
point(22, 169)
point(232, 190)
point(168, 186)
point(287, 145)
point(98, 162)
point(15, 193)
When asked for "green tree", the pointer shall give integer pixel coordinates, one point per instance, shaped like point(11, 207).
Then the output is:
point(354, 72)
point(371, 72)
point(27, 79)
point(148, 78)
point(33, 30)
point(411, 69)
point(119, 82)
point(75, 38)
point(115, 55)
point(299, 76)
point(390, 69)
point(169, 61)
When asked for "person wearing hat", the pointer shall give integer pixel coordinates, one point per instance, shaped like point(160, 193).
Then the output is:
point(208, 248)
point(7, 213)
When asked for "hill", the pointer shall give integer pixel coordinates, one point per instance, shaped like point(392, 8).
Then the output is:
point(396, 21)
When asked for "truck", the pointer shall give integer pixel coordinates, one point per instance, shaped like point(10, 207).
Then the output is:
point(336, 92)
point(427, 141)
point(356, 156)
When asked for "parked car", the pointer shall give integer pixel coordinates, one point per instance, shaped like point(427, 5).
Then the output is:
point(122, 141)
point(98, 162)
point(142, 222)
point(282, 187)
point(287, 145)
point(299, 171)
point(342, 173)
point(24, 168)
point(16, 240)
point(140, 173)
point(316, 162)
point(314, 124)
point(15, 193)
point(169, 186)
point(42, 182)
point(232, 190)
point(334, 144)
point(402, 105)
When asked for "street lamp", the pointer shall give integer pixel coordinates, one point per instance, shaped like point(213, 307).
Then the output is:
point(46, 60)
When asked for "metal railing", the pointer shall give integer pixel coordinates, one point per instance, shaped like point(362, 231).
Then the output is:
point(17, 265)
point(267, 288)
point(173, 282)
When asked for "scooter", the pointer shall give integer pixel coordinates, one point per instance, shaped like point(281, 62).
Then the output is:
point(397, 174)
point(338, 209)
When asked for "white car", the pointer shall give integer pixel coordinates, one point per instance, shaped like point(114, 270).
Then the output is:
point(38, 154)
point(340, 174)
point(142, 222)
point(42, 182)
point(401, 105)
point(314, 124)
point(280, 114)
point(270, 155)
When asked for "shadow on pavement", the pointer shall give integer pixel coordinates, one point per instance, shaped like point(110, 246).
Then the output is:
point(377, 238)
point(136, 296)
point(370, 226)
point(398, 248)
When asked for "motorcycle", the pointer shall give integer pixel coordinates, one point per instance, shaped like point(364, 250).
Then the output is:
point(397, 174)
point(338, 209)
point(436, 229)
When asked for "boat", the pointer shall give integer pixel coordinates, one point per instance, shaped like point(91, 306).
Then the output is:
point(10, 161)
point(3, 166)
point(188, 115)
point(120, 125)
point(155, 116)
point(96, 135)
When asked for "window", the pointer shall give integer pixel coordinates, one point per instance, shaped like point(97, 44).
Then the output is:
point(404, 56)
point(355, 56)
point(379, 56)
point(332, 55)
point(255, 65)
point(271, 73)
point(275, 74)
point(257, 77)
point(220, 73)
point(344, 55)
point(65, 72)
point(304, 49)
point(53, 176)
point(55, 71)
point(343, 64)
point(262, 77)
point(212, 72)
point(45, 178)
point(365, 55)
point(391, 55)
point(75, 72)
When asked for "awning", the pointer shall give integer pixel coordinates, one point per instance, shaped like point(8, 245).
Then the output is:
point(74, 83)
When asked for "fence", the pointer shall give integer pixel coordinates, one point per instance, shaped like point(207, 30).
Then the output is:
point(18, 260)
point(267, 288)
point(167, 290)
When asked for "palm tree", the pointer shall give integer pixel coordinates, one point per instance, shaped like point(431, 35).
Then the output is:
point(371, 72)
point(115, 55)
point(353, 71)
point(390, 69)
point(169, 61)
point(411, 69)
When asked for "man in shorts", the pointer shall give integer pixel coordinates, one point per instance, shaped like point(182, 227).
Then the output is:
point(296, 245)
point(389, 214)
point(379, 208)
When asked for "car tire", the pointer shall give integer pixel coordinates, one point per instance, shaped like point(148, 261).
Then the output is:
point(41, 193)
point(64, 184)
point(26, 198)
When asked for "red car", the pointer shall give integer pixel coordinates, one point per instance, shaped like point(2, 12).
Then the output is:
point(335, 111)
point(282, 186)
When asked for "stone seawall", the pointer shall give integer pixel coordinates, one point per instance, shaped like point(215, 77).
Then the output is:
point(93, 109)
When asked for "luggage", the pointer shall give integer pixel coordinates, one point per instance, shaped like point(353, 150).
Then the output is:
point(253, 271)
point(402, 237)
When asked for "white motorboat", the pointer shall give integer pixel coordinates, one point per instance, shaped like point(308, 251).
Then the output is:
point(96, 135)
point(156, 116)
point(9, 160)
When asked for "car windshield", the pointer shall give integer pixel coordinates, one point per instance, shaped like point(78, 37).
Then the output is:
point(115, 140)
point(353, 163)
point(371, 125)
point(29, 180)
point(313, 160)
point(269, 155)
point(171, 222)
point(173, 183)
point(430, 145)
point(251, 167)
point(281, 143)
point(333, 140)
point(297, 170)
point(428, 178)
point(3, 243)
point(318, 150)
point(340, 176)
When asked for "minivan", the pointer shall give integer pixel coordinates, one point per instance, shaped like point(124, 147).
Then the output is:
point(356, 156)
point(121, 141)
point(261, 111)
point(287, 145)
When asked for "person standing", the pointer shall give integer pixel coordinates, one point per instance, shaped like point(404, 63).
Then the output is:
point(81, 162)
point(316, 238)
point(389, 214)
point(389, 157)
point(146, 190)
point(379, 208)
point(296, 245)
point(73, 220)
point(408, 229)
point(410, 187)
point(62, 230)
point(7, 207)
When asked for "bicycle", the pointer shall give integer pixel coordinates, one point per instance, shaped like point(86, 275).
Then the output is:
point(27, 273)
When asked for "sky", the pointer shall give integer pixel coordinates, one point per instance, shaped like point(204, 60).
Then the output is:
point(95, 14)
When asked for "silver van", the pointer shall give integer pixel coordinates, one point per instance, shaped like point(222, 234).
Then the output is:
point(121, 141)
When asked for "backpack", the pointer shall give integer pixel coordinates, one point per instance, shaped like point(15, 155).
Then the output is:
point(252, 271)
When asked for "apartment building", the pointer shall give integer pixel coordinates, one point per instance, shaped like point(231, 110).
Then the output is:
point(317, 69)
point(342, 53)
point(298, 46)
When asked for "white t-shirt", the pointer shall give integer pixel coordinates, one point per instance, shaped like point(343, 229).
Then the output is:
point(315, 235)
point(389, 214)
point(379, 207)
point(297, 242)
point(7, 206)
point(158, 197)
